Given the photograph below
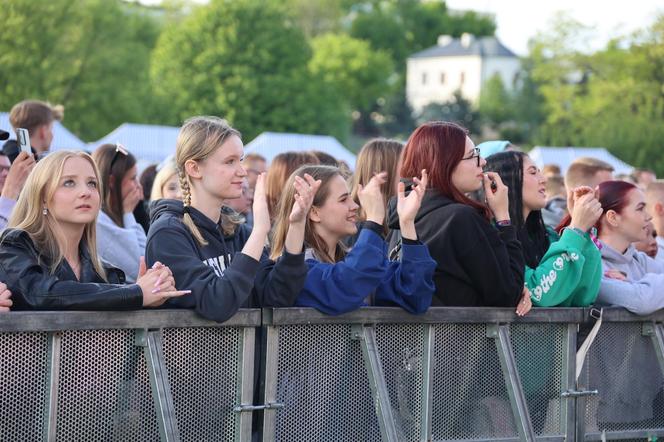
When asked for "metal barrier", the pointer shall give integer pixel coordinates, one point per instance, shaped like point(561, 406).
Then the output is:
point(376, 374)
point(125, 376)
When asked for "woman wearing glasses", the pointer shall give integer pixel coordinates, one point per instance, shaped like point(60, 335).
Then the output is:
point(479, 262)
point(120, 239)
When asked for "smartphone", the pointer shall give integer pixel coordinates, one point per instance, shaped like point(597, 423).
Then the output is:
point(24, 140)
point(408, 184)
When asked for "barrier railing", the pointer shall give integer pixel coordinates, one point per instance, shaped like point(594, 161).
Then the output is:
point(375, 374)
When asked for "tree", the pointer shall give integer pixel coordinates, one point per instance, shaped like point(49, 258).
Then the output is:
point(89, 55)
point(458, 110)
point(246, 61)
point(495, 102)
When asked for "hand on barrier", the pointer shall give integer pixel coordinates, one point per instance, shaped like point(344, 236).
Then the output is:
point(497, 199)
point(5, 298)
point(304, 198)
point(525, 304)
point(586, 210)
point(157, 284)
point(260, 210)
point(371, 198)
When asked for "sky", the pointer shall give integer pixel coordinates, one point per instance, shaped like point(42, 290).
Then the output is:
point(518, 20)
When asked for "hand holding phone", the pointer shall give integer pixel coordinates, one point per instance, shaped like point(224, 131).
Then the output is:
point(24, 140)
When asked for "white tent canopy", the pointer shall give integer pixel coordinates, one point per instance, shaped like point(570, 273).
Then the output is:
point(146, 142)
point(563, 157)
point(271, 144)
point(62, 137)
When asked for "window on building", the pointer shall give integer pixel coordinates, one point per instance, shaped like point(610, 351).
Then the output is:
point(462, 78)
point(424, 78)
point(442, 78)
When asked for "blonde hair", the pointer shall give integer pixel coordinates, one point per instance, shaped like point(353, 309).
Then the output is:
point(161, 179)
point(43, 229)
point(199, 137)
point(311, 238)
point(377, 155)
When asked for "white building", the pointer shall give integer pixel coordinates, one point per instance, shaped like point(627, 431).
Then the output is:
point(465, 64)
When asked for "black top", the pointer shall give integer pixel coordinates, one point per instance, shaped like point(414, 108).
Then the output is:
point(477, 264)
point(220, 277)
point(27, 275)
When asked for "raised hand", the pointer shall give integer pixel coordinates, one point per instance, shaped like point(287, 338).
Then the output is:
point(407, 206)
point(497, 200)
point(260, 210)
point(371, 198)
point(306, 191)
point(586, 211)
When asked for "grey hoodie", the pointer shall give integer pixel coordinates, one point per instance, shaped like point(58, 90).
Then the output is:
point(643, 290)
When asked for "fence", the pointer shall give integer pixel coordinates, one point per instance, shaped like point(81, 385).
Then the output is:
point(376, 374)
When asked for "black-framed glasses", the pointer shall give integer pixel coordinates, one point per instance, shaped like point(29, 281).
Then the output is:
point(475, 154)
point(119, 148)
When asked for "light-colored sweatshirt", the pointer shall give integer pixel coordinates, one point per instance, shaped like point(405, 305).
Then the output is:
point(643, 290)
point(121, 247)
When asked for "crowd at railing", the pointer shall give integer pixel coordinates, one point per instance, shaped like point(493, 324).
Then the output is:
point(435, 222)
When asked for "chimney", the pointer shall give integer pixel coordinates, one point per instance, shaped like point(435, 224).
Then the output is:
point(444, 40)
point(467, 39)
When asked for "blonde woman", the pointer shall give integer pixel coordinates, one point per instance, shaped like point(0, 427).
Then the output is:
point(48, 255)
point(166, 183)
point(206, 246)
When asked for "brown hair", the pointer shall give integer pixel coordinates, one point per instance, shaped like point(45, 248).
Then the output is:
point(583, 170)
point(113, 166)
point(282, 166)
point(311, 238)
point(30, 114)
point(377, 155)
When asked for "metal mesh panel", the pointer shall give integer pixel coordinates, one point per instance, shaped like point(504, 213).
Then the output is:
point(623, 367)
point(469, 396)
point(23, 370)
point(539, 352)
point(104, 391)
point(205, 380)
point(322, 380)
point(401, 347)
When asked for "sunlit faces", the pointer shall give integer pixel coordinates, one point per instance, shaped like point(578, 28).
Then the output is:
point(171, 188)
point(534, 186)
point(221, 174)
point(76, 198)
point(467, 175)
point(632, 222)
point(4, 170)
point(336, 217)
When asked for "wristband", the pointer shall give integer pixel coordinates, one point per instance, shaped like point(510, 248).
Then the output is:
point(504, 223)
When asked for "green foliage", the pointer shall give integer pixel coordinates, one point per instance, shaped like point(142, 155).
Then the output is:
point(352, 68)
point(89, 55)
point(246, 61)
point(495, 102)
point(458, 110)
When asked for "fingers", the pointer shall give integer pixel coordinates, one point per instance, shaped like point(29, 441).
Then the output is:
point(142, 267)
point(175, 293)
point(525, 304)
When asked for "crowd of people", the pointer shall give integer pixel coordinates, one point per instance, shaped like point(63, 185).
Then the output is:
point(437, 221)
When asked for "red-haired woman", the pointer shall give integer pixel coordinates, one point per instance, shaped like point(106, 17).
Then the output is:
point(479, 263)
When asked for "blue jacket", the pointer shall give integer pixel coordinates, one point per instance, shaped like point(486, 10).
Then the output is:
point(367, 273)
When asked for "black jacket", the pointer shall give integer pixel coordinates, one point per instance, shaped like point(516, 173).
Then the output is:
point(33, 287)
point(477, 263)
point(11, 150)
point(220, 277)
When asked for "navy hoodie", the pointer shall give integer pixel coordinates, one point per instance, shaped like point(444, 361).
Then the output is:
point(365, 274)
point(477, 264)
point(220, 277)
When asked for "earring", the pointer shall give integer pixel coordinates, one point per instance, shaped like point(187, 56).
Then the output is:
point(45, 211)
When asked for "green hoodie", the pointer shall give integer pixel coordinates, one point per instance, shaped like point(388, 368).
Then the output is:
point(569, 274)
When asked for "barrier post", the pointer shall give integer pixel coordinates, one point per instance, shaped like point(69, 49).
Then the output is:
point(52, 384)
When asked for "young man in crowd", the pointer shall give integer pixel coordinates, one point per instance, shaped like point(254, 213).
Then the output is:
point(38, 118)
point(655, 208)
point(643, 177)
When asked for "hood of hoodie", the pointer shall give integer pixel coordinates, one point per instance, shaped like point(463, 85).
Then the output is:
point(433, 200)
point(629, 262)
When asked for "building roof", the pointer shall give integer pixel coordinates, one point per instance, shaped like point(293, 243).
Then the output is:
point(147, 142)
point(270, 144)
point(62, 137)
point(482, 46)
point(563, 157)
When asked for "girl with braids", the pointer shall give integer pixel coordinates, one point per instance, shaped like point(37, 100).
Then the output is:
point(561, 270)
point(340, 281)
point(48, 255)
point(206, 245)
point(120, 238)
